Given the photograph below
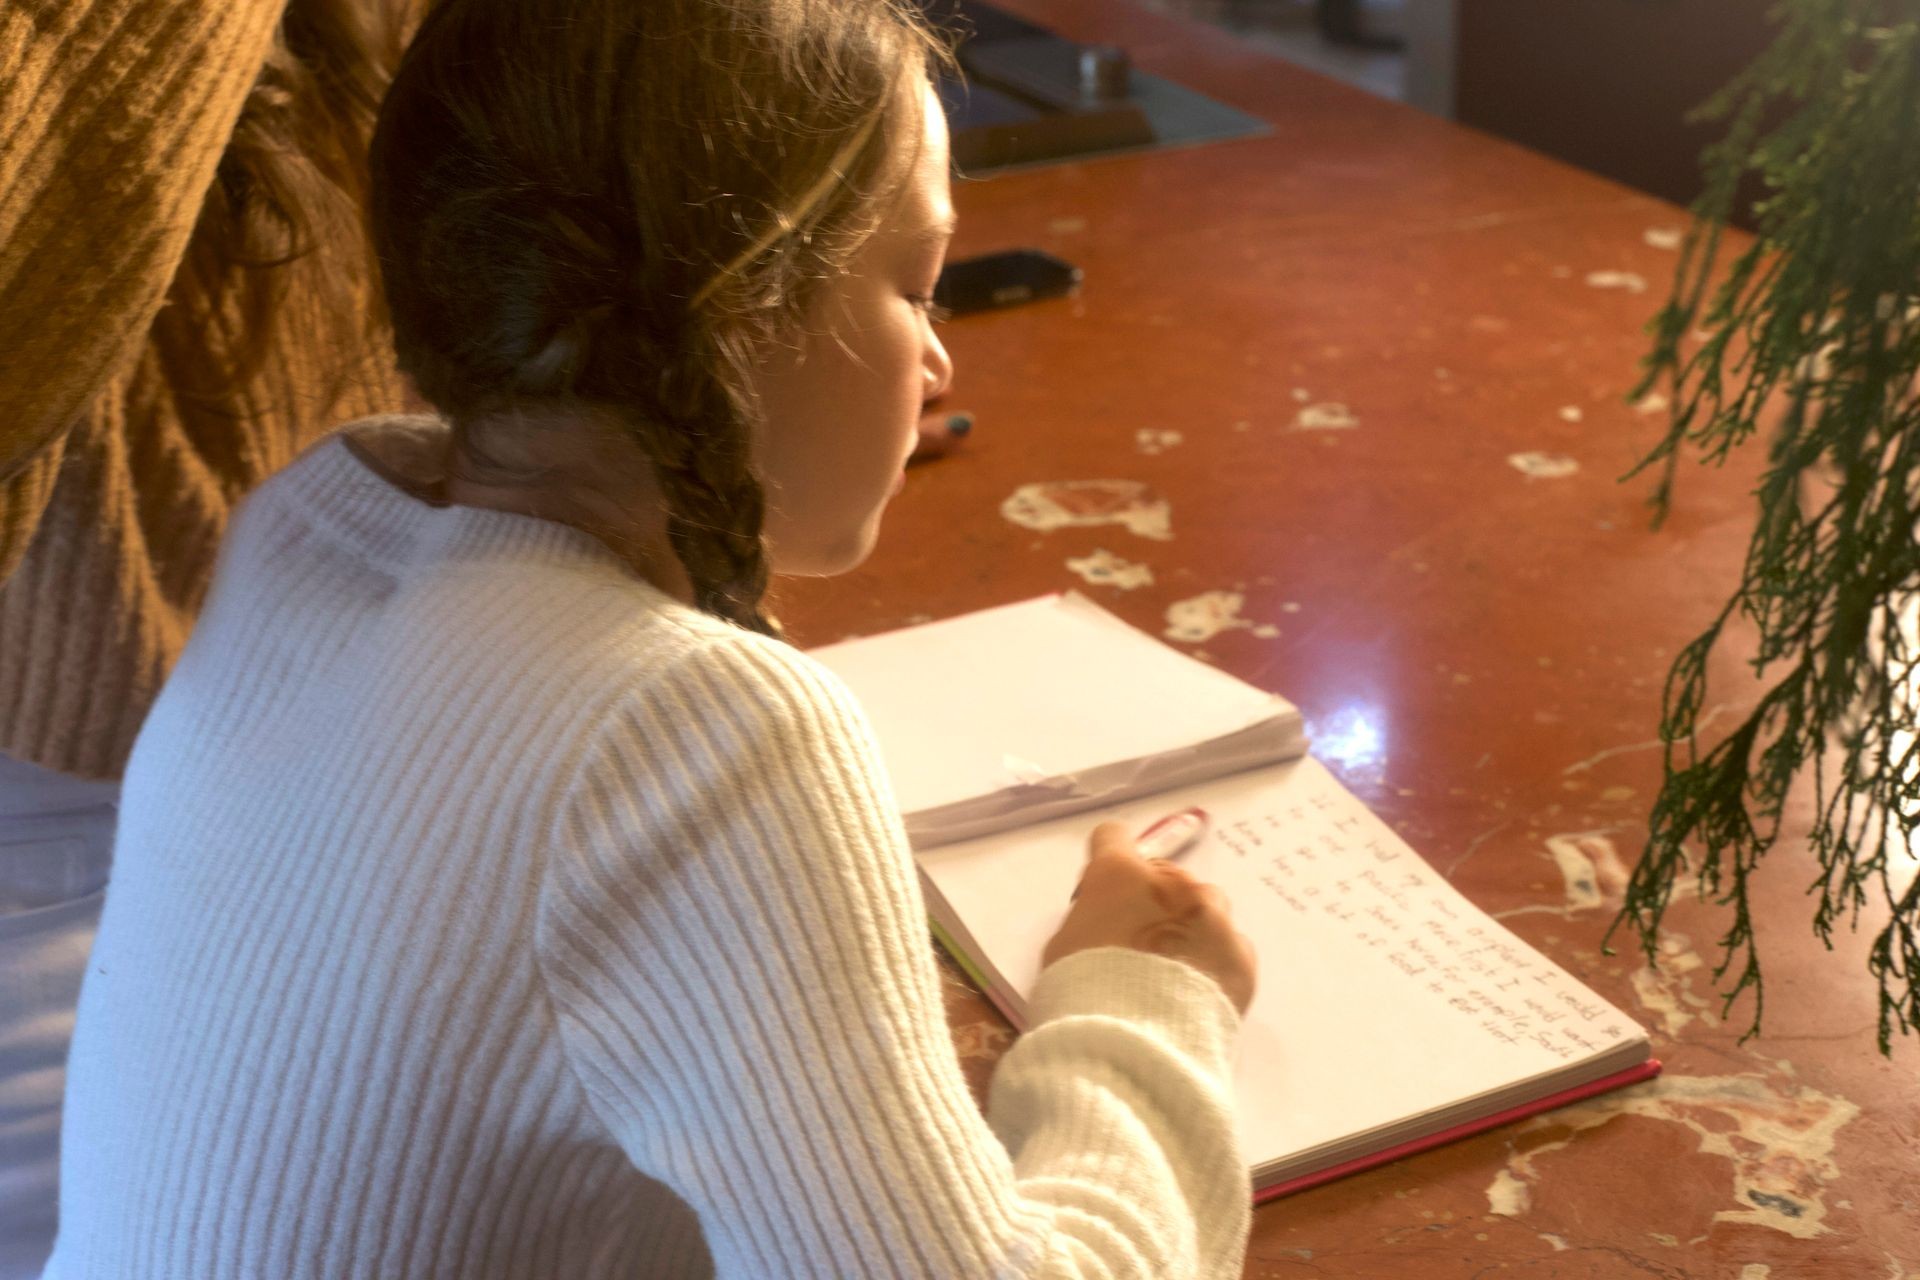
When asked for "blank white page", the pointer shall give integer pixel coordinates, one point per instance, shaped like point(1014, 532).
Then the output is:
point(1042, 689)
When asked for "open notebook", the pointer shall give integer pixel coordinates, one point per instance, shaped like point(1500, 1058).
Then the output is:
point(1392, 1014)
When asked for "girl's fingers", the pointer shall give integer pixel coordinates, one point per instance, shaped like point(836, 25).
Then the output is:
point(1110, 840)
point(1110, 844)
point(1178, 893)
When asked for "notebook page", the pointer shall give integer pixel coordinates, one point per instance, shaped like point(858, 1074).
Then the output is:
point(1383, 994)
point(1047, 688)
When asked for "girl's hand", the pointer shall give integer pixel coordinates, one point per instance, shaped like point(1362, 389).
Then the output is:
point(1125, 900)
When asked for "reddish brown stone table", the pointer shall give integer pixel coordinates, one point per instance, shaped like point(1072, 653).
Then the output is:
point(1479, 651)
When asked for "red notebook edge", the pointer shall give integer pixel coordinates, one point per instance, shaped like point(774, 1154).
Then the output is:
point(1638, 1073)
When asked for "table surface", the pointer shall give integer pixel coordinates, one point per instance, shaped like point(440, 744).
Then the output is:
point(1479, 650)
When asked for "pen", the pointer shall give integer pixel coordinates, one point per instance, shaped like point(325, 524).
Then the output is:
point(1174, 836)
point(939, 434)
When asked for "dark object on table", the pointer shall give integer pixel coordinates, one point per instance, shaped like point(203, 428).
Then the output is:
point(939, 433)
point(1006, 279)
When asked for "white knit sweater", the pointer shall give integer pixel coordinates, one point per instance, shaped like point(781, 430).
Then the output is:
point(479, 911)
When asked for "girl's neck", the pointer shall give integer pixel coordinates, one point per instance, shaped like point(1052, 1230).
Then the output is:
point(590, 484)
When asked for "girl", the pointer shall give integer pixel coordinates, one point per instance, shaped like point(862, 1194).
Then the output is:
point(496, 896)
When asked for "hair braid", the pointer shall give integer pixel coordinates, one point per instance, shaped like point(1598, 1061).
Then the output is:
point(698, 441)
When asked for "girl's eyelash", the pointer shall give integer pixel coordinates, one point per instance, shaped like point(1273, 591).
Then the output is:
point(936, 313)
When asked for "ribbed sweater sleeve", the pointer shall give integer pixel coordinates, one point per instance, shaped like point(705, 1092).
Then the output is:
point(113, 117)
point(736, 952)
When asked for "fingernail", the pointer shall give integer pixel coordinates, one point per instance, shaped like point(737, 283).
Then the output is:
point(958, 424)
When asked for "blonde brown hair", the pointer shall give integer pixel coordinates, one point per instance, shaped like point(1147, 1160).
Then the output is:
point(618, 206)
point(280, 252)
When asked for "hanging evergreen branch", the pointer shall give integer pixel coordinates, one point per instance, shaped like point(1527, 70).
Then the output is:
point(1816, 325)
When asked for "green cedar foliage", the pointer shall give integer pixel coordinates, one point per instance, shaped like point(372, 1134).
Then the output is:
point(1814, 328)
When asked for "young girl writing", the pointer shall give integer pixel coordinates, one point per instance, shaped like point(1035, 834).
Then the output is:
point(495, 895)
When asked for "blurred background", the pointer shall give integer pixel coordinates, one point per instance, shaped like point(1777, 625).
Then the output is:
point(1604, 84)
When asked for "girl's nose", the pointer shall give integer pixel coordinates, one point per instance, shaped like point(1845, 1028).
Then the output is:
point(939, 369)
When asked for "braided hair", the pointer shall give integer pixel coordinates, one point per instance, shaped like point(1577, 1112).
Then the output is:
point(618, 207)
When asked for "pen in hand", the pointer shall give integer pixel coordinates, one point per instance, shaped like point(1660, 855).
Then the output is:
point(1170, 839)
point(1174, 836)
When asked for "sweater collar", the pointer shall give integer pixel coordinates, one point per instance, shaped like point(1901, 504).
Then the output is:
point(344, 486)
